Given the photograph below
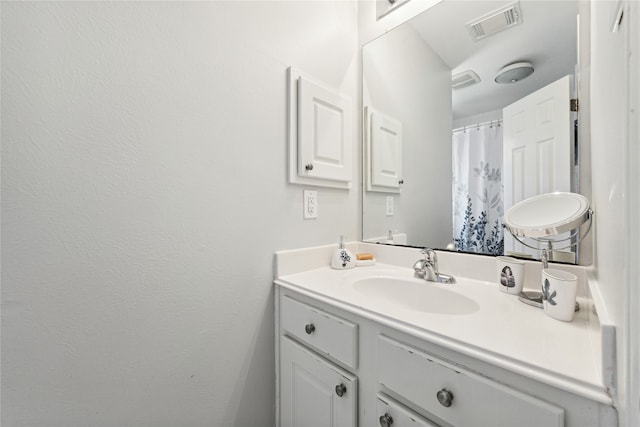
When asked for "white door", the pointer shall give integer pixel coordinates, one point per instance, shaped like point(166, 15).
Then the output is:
point(313, 392)
point(538, 141)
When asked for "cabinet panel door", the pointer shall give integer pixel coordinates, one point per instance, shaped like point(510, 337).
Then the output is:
point(384, 153)
point(310, 390)
point(325, 134)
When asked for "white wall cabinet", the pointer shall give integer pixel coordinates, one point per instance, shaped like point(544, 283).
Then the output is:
point(321, 133)
point(383, 152)
point(337, 368)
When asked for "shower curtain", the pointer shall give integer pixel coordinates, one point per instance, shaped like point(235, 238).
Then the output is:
point(477, 189)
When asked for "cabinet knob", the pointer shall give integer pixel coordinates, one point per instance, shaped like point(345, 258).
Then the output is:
point(401, 182)
point(341, 389)
point(445, 397)
point(386, 420)
point(310, 328)
point(309, 167)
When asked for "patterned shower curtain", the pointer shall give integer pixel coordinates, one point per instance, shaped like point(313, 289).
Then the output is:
point(477, 190)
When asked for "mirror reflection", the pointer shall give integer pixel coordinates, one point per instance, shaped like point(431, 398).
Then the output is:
point(466, 112)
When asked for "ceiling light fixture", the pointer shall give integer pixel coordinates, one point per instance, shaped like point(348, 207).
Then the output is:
point(514, 72)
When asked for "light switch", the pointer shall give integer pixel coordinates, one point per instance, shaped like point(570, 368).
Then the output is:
point(310, 204)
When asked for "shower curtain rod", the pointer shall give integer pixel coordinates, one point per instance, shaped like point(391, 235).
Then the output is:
point(477, 125)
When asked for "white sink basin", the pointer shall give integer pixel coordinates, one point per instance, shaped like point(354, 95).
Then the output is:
point(416, 294)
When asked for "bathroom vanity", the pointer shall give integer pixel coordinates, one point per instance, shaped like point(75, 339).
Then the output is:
point(375, 346)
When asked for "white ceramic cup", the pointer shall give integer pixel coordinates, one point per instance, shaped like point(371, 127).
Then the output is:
point(510, 274)
point(559, 294)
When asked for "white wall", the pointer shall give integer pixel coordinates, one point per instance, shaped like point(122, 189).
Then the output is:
point(632, 377)
point(615, 165)
point(143, 196)
point(405, 79)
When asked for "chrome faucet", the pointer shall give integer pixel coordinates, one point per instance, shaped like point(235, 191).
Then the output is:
point(427, 268)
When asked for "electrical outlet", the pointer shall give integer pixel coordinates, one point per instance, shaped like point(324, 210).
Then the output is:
point(310, 204)
point(389, 205)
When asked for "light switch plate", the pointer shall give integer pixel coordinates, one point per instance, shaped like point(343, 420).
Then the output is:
point(310, 204)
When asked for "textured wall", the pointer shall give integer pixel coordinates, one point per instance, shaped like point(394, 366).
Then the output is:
point(143, 195)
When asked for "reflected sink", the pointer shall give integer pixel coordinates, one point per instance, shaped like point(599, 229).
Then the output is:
point(416, 294)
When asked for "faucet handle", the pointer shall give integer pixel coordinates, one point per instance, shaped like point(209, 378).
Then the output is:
point(431, 257)
point(429, 253)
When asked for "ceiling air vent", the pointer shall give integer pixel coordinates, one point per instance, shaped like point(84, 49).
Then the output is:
point(464, 79)
point(495, 21)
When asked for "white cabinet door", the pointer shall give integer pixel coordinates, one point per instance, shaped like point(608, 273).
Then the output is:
point(384, 153)
point(325, 135)
point(538, 139)
point(320, 133)
point(313, 392)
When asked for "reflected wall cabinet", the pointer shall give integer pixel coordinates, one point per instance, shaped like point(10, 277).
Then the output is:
point(383, 152)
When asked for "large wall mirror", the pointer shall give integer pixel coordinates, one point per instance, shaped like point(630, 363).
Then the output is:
point(466, 112)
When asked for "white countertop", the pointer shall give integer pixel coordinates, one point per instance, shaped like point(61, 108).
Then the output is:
point(502, 331)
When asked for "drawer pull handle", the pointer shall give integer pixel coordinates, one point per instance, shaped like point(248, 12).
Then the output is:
point(309, 167)
point(445, 397)
point(341, 389)
point(310, 328)
point(386, 420)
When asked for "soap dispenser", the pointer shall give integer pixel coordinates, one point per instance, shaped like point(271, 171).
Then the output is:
point(343, 259)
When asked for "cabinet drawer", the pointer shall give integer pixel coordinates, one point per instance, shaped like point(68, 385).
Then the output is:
point(398, 415)
point(324, 332)
point(474, 400)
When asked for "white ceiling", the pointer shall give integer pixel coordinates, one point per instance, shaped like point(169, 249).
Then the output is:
point(546, 38)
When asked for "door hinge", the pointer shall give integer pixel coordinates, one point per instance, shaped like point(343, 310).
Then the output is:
point(574, 105)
